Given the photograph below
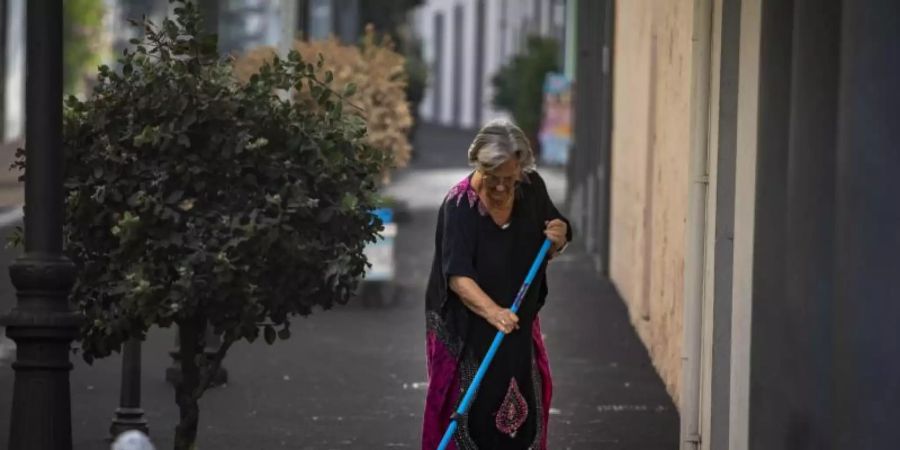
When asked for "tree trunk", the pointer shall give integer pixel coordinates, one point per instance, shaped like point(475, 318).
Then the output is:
point(190, 332)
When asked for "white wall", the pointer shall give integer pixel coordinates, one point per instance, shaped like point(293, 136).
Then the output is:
point(247, 24)
point(422, 30)
point(744, 210)
point(446, 112)
point(467, 120)
point(14, 78)
point(492, 56)
point(546, 10)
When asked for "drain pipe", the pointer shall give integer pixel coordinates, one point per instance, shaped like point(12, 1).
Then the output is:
point(696, 225)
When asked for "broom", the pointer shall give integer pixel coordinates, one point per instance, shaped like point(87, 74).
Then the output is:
point(482, 369)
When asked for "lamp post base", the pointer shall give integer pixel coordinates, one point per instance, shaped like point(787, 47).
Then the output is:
point(127, 419)
point(129, 415)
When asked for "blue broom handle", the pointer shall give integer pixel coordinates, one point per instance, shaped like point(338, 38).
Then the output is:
point(482, 369)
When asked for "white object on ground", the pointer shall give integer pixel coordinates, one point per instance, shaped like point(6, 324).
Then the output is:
point(381, 255)
point(132, 440)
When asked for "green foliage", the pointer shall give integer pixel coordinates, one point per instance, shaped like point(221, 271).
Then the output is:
point(417, 74)
point(191, 195)
point(82, 22)
point(196, 200)
point(519, 84)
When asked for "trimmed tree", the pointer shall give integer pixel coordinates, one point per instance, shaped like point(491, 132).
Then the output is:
point(379, 72)
point(519, 85)
point(200, 201)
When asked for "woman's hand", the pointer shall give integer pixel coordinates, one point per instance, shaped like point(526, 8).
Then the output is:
point(478, 302)
point(503, 319)
point(556, 231)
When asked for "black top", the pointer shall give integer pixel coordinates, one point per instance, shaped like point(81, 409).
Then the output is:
point(469, 243)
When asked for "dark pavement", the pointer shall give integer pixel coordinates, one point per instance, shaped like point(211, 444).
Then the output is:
point(354, 377)
point(439, 147)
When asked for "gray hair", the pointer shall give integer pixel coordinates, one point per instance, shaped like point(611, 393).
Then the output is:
point(497, 142)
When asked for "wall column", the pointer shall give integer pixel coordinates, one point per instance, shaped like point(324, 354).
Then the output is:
point(867, 296)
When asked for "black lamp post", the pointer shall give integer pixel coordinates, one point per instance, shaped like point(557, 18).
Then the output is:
point(42, 324)
point(129, 415)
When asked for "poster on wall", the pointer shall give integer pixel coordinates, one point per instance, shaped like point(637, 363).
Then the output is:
point(556, 122)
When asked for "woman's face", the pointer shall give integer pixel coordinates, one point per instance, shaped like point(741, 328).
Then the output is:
point(500, 184)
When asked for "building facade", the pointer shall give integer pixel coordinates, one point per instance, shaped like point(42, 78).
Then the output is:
point(12, 68)
point(734, 168)
point(240, 24)
point(465, 42)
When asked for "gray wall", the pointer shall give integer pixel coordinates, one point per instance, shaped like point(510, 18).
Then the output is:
point(437, 71)
point(458, 41)
point(867, 234)
point(720, 398)
point(825, 341)
point(588, 168)
point(771, 390)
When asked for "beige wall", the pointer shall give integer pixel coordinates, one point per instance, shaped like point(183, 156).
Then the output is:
point(651, 124)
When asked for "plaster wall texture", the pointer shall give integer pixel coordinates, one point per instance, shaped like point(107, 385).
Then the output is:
point(649, 180)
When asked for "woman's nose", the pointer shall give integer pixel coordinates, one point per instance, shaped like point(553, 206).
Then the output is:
point(501, 188)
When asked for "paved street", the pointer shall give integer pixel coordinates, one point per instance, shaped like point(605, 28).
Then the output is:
point(354, 377)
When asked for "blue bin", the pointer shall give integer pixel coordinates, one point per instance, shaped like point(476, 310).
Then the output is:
point(381, 252)
point(385, 214)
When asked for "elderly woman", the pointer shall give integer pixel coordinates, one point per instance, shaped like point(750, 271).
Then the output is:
point(490, 227)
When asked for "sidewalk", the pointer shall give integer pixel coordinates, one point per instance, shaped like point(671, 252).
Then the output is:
point(606, 391)
point(607, 394)
point(354, 377)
